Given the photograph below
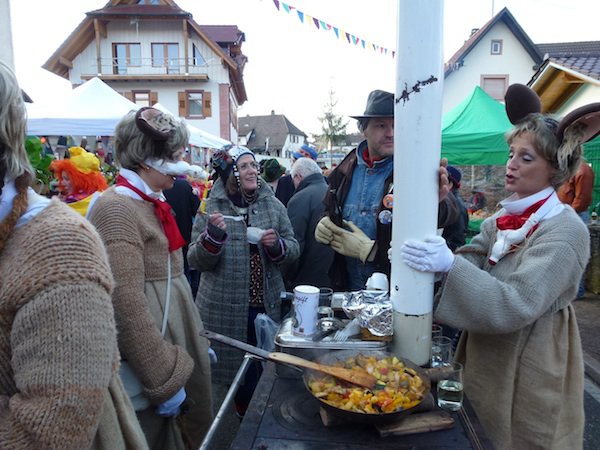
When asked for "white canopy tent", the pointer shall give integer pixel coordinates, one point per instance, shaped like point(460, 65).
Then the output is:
point(94, 109)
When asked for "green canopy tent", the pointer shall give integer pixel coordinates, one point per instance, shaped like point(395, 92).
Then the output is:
point(473, 132)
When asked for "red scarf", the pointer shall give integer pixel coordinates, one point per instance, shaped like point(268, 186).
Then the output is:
point(516, 221)
point(370, 162)
point(163, 211)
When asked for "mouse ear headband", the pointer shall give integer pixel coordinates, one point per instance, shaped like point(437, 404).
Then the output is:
point(520, 101)
point(155, 124)
point(576, 128)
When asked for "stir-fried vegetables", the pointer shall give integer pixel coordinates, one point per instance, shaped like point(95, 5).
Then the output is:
point(398, 387)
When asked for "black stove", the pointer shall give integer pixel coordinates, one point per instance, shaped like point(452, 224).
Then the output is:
point(283, 415)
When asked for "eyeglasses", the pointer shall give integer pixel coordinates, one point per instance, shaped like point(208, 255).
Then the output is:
point(248, 165)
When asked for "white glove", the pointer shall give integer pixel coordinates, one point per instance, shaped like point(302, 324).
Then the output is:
point(430, 255)
point(172, 406)
point(212, 356)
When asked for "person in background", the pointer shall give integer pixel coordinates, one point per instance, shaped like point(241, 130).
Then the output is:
point(520, 345)
point(185, 204)
point(241, 273)
point(79, 179)
point(358, 198)
point(477, 200)
point(165, 366)
point(59, 385)
point(285, 187)
point(272, 172)
point(577, 191)
point(305, 209)
point(455, 233)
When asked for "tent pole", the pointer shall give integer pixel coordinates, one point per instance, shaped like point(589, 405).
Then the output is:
point(417, 143)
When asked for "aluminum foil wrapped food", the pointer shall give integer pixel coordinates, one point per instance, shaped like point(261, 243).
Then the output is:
point(373, 310)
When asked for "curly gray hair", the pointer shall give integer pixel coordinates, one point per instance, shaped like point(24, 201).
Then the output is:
point(133, 146)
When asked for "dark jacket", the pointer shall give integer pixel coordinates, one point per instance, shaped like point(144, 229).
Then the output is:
point(339, 185)
point(305, 209)
point(456, 232)
point(285, 189)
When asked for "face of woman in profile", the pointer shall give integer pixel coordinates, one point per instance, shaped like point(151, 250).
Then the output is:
point(248, 169)
point(526, 171)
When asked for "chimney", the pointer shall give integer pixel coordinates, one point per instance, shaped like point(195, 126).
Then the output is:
point(272, 112)
point(473, 31)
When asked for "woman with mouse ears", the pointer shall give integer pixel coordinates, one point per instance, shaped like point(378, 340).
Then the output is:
point(239, 246)
point(165, 363)
point(511, 288)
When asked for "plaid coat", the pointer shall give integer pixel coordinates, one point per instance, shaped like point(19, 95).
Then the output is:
point(223, 293)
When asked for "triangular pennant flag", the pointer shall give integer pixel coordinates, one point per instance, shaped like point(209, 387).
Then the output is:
point(276, 4)
point(347, 37)
point(286, 7)
point(353, 39)
point(316, 22)
point(393, 53)
point(300, 15)
point(308, 18)
point(324, 25)
point(362, 41)
point(337, 32)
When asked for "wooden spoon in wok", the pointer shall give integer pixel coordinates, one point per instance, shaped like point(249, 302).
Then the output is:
point(354, 376)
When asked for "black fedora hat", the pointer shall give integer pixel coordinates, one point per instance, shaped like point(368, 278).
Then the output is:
point(379, 104)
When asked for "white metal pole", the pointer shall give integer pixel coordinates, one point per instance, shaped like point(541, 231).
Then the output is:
point(417, 142)
point(6, 49)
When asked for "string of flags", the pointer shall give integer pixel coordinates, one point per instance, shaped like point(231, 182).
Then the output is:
point(339, 33)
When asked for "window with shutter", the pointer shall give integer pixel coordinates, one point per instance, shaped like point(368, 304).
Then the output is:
point(495, 85)
point(182, 103)
point(195, 104)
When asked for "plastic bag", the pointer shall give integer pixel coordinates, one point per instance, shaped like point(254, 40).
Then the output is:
point(266, 330)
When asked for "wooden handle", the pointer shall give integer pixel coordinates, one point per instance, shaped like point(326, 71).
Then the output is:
point(286, 358)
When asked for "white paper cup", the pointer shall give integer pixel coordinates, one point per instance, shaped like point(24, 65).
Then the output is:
point(254, 234)
point(378, 282)
point(306, 305)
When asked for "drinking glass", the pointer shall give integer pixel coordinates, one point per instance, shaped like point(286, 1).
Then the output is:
point(450, 388)
point(441, 351)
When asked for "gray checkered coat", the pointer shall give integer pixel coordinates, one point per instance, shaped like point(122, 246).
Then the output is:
point(223, 293)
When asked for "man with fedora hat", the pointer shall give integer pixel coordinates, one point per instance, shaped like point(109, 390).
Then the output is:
point(358, 202)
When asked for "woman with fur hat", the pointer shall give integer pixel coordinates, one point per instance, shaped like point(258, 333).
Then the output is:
point(241, 273)
point(79, 178)
point(59, 386)
point(165, 366)
point(511, 288)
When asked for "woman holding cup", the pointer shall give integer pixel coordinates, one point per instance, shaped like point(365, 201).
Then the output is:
point(239, 246)
point(511, 288)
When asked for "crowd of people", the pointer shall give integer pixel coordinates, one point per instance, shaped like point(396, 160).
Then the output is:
point(104, 347)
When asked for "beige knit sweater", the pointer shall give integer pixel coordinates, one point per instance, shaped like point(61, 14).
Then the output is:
point(58, 347)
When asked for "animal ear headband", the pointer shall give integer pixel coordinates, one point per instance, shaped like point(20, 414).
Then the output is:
point(520, 101)
point(154, 123)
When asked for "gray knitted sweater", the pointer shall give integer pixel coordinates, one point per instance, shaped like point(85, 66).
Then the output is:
point(521, 345)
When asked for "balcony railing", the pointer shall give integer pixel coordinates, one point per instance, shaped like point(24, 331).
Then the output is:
point(150, 66)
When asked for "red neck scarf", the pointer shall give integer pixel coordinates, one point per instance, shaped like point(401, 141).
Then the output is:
point(163, 211)
point(516, 221)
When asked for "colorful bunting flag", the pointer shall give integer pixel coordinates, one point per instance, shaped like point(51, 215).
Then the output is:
point(325, 26)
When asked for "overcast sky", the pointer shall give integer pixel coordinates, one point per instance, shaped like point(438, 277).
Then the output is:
point(292, 66)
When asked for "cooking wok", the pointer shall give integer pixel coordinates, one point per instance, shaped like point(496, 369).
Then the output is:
point(331, 358)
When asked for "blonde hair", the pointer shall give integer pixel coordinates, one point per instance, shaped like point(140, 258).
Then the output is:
point(563, 156)
point(133, 147)
point(13, 126)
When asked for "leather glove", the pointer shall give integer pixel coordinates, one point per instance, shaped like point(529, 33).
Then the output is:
point(172, 406)
point(354, 243)
point(324, 230)
point(430, 255)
